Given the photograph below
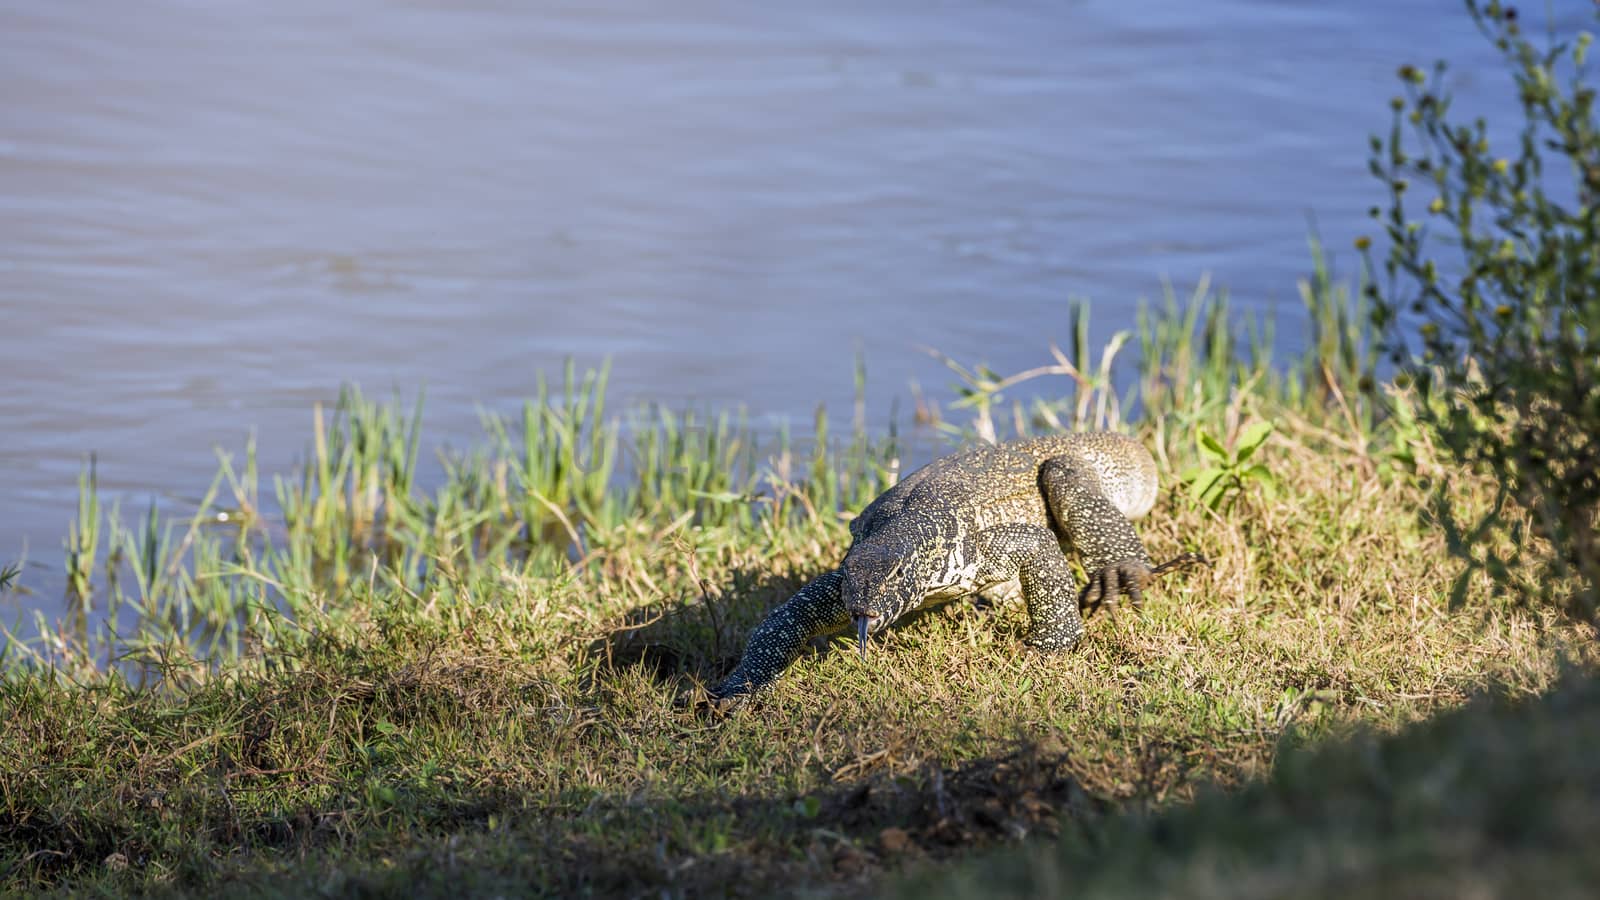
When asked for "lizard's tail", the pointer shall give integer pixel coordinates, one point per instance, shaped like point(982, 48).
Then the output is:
point(1181, 561)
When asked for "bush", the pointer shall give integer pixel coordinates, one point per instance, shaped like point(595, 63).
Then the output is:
point(1503, 337)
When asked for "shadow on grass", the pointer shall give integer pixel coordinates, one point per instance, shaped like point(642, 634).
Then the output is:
point(702, 637)
point(369, 838)
point(850, 833)
point(701, 640)
point(1498, 798)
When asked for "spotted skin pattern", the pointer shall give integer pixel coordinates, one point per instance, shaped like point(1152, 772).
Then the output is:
point(991, 517)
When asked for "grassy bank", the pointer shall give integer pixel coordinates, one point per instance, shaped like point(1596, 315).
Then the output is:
point(1493, 800)
point(345, 680)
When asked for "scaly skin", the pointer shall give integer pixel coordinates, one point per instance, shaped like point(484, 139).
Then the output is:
point(972, 521)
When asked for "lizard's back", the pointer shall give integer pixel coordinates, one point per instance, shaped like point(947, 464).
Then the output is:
point(998, 484)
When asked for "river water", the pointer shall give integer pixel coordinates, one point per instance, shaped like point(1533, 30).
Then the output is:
point(213, 213)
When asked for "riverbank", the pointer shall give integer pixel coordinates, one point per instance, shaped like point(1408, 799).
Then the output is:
point(366, 684)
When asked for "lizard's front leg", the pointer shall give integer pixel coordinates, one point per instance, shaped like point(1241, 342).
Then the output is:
point(1096, 529)
point(815, 610)
point(1048, 587)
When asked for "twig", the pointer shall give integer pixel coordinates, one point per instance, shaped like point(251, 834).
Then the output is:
point(710, 604)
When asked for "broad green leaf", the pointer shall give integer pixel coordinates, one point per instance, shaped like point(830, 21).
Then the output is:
point(1261, 473)
point(1202, 486)
point(1210, 447)
point(1253, 436)
point(1263, 476)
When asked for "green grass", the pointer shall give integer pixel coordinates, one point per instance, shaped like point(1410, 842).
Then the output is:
point(1493, 800)
point(346, 680)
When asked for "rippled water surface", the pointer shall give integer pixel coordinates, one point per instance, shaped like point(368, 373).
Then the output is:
point(214, 213)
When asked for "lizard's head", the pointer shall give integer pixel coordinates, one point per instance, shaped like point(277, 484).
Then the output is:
point(879, 585)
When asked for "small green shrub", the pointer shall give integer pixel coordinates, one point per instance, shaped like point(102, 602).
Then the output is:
point(1489, 297)
point(1218, 482)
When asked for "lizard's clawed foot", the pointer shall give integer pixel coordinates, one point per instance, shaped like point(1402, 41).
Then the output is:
point(1112, 583)
point(706, 703)
point(731, 694)
point(1128, 579)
